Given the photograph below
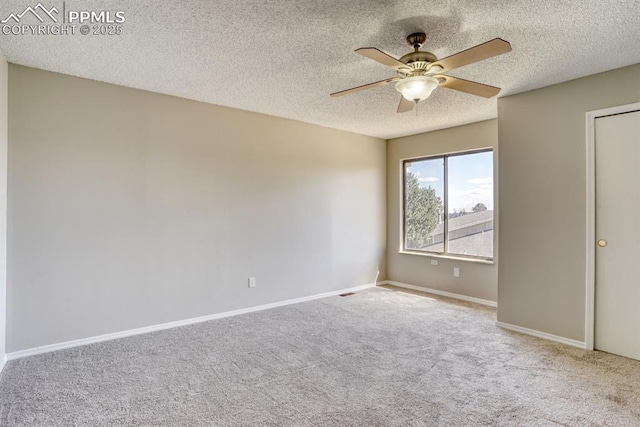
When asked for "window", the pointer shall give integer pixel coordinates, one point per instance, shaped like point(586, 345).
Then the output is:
point(448, 205)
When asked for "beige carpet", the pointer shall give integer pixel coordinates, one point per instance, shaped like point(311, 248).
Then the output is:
point(376, 358)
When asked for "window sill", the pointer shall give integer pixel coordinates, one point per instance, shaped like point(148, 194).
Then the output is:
point(451, 257)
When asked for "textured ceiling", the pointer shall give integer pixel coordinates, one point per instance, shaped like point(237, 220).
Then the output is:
point(284, 57)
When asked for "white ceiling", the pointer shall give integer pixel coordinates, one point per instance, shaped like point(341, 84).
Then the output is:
point(284, 57)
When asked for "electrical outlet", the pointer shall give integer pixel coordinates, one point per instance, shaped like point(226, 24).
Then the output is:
point(434, 262)
point(456, 271)
point(252, 282)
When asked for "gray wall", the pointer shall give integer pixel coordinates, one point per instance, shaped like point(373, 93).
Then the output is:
point(543, 199)
point(4, 74)
point(129, 208)
point(476, 280)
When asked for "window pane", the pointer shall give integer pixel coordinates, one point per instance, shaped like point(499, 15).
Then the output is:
point(423, 192)
point(470, 204)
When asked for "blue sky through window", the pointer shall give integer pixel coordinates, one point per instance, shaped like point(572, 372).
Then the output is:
point(470, 179)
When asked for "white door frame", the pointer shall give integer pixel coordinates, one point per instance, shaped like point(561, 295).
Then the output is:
point(591, 215)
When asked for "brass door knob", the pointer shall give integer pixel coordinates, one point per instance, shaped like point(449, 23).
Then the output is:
point(602, 243)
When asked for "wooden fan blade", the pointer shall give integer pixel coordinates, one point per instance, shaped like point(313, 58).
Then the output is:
point(405, 105)
point(367, 86)
point(468, 86)
point(381, 57)
point(486, 50)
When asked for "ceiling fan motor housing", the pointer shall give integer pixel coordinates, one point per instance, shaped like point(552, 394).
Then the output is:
point(418, 60)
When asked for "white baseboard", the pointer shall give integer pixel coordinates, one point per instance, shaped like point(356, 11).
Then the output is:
point(442, 293)
point(176, 324)
point(543, 335)
point(3, 361)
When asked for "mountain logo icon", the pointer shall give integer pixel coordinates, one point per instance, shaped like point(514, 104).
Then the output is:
point(39, 11)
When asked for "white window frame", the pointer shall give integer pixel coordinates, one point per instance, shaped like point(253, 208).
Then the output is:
point(444, 254)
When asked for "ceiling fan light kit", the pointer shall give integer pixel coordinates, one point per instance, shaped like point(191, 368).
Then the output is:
point(417, 88)
point(416, 71)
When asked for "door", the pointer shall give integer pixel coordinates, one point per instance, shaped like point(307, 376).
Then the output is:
point(617, 285)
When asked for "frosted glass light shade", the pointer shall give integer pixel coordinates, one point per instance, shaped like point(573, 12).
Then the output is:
point(417, 88)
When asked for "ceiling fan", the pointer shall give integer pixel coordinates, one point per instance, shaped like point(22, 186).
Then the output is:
point(417, 71)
